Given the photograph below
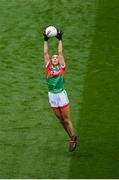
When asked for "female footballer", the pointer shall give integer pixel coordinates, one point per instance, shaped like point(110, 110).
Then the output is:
point(58, 99)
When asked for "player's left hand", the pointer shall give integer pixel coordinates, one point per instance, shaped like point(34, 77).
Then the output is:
point(59, 34)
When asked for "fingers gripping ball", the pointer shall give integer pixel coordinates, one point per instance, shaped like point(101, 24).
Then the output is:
point(45, 37)
point(59, 34)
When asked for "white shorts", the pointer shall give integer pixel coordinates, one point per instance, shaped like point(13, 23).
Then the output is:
point(58, 99)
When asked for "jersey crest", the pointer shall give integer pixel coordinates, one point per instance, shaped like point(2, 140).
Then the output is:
point(54, 70)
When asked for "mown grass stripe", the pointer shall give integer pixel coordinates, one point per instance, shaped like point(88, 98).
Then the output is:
point(99, 127)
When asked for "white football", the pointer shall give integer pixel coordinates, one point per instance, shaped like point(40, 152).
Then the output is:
point(51, 31)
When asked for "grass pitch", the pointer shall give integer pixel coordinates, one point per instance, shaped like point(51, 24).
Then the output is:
point(32, 142)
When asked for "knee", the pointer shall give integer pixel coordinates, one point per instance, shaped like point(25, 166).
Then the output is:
point(65, 117)
point(66, 121)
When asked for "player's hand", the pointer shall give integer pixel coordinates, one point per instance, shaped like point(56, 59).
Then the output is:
point(45, 37)
point(59, 34)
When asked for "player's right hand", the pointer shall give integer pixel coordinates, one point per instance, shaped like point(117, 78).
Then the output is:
point(45, 36)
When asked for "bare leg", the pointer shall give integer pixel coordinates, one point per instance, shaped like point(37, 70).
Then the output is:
point(66, 120)
point(63, 116)
point(58, 113)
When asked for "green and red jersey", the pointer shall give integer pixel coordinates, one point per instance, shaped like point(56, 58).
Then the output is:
point(55, 77)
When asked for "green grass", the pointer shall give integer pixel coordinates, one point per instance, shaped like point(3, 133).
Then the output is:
point(99, 128)
point(32, 142)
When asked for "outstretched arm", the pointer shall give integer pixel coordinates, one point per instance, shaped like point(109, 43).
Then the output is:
point(60, 48)
point(46, 54)
point(60, 53)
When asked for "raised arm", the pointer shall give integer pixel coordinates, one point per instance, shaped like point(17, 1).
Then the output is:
point(60, 53)
point(46, 54)
point(60, 48)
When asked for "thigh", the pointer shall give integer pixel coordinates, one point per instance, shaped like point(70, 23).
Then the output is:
point(58, 113)
point(65, 112)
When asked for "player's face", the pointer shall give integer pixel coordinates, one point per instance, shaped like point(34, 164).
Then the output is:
point(55, 60)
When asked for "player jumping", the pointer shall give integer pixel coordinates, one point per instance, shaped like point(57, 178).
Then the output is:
point(58, 99)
